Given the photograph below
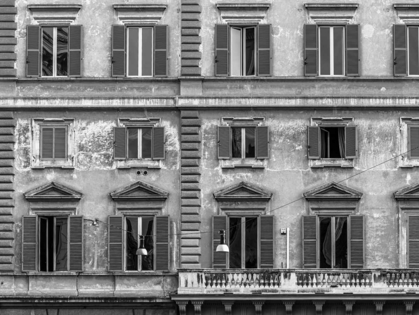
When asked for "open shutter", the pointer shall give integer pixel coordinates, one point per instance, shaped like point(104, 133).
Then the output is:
point(120, 143)
point(262, 142)
point(357, 241)
point(266, 241)
point(75, 50)
point(219, 222)
point(350, 142)
point(400, 50)
point(313, 142)
point(162, 242)
point(221, 50)
point(60, 143)
point(118, 50)
point(158, 143)
point(33, 38)
point(224, 146)
point(76, 243)
point(29, 237)
point(413, 249)
point(160, 50)
point(310, 50)
point(264, 50)
point(352, 50)
point(309, 241)
point(413, 141)
point(115, 243)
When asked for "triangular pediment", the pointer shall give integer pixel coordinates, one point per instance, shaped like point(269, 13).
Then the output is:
point(53, 192)
point(139, 191)
point(242, 191)
point(333, 191)
point(410, 192)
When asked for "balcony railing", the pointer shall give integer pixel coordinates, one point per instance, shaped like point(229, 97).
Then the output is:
point(274, 281)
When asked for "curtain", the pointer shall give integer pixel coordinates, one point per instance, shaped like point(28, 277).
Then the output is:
point(341, 135)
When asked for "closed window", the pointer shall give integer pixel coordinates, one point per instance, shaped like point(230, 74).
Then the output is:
point(53, 142)
point(331, 50)
point(413, 141)
point(406, 50)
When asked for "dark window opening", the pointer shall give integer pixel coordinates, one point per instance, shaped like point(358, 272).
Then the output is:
point(243, 238)
point(139, 143)
point(333, 242)
point(136, 226)
point(243, 142)
point(55, 51)
point(333, 142)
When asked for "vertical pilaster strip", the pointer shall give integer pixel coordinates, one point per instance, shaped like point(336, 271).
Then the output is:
point(190, 190)
point(8, 40)
point(190, 38)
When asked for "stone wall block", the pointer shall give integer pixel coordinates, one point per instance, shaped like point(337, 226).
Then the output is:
point(190, 146)
point(7, 3)
point(191, 194)
point(188, 210)
point(191, 202)
point(189, 178)
point(191, 155)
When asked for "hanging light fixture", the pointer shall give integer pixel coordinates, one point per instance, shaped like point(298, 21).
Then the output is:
point(222, 247)
point(141, 251)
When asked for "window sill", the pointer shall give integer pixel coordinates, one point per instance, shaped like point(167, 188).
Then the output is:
point(322, 163)
point(128, 167)
point(242, 163)
point(243, 166)
point(64, 167)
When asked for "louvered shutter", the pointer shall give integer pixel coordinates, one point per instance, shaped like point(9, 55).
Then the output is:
point(75, 50)
point(357, 241)
point(118, 50)
point(352, 50)
point(310, 50)
point(309, 241)
point(161, 42)
point(413, 249)
point(224, 142)
point(264, 50)
point(76, 243)
point(115, 243)
point(413, 141)
point(262, 142)
point(221, 50)
point(120, 143)
point(219, 222)
point(33, 38)
point(47, 143)
point(266, 241)
point(60, 143)
point(400, 50)
point(350, 142)
point(313, 145)
point(29, 237)
point(158, 143)
point(162, 242)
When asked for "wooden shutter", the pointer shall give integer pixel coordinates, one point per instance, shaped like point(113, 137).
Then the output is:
point(413, 141)
point(60, 143)
point(219, 222)
point(47, 142)
point(75, 50)
point(161, 37)
point(266, 241)
point(309, 241)
point(224, 142)
point(76, 243)
point(33, 43)
point(413, 242)
point(350, 142)
point(118, 50)
point(115, 243)
point(158, 143)
point(357, 241)
point(162, 243)
point(313, 142)
point(262, 142)
point(264, 50)
point(29, 237)
point(400, 50)
point(310, 50)
point(120, 143)
point(352, 50)
point(221, 50)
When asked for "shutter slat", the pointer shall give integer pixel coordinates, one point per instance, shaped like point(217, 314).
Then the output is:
point(158, 143)
point(224, 145)
point(350, 142)
point(33, 38)
point(76, 243)
point(219, 222)
point(29, 236)
point(262, 142)
point(162, 242)
point(413, 242)
point(413, 141)
point(399, 50)
point(352, 50)
point(313, 142)
point(310, 50)
point(60, 143)
point(357, 241)
point(115, 240)
point(47, 140)
point(221, 50)
point(118, 50)
point(160, 50)
point(309, 229)
point(120, 143)
point(75, 50)
point(264, 50)
point(266, 241)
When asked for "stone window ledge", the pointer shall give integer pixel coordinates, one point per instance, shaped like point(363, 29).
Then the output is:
point(128, 167)
point(237, 166)
point(64, 167)
point(139, 13)
point(54, 13)
point(338, 163)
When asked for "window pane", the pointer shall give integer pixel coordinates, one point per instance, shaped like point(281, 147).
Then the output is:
point(47, 51)
point(325, 50)
point(235, 243)
point(250, 51)
point(61, 244)
point(133, 143)
point(250, 142)
point(413, 51)
point(60, 143)
point(47, 143)
point(133, 51)
point(131, 243)
point(146, 149)
point(236, 142)
point(147, 51)
point(62, 51)
point(325, 242)
point(235, 51)
point(338, 50)
point(341, 242)
point(251, 258)
point(43, 244)
point(147, 229)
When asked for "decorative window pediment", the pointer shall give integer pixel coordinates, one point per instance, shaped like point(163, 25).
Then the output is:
point(332, 191)
point(243, 12)
point(53, 192)
point(140, 13)
point(407, 12)
point(331, 12)
point(242, 192)
point(139, 191)
point(408, 193)
point(54, 13)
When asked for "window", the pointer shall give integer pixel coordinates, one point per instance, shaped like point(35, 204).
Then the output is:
point(139, 51)
point(53, 142)
point(333, 242)
point(406, 50)
point(243, 50)
point(134, 227)
point(242, 238)
point(53, 239)
point(331, 50)
point(243, 142)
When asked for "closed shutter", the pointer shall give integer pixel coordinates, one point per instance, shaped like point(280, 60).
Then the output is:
point(350, 142)
point(29, 236)
point(158, 143)
point(309, 241)
point(219, 222)
point(60, 143)
point(162, 242)
point(120, 143)
point(310, 50)
point(262, 142)
point(118, 50)
point(400, 50)
point(264, 50)
point(76, 243)
point(266, 241)
point(221, 50)
point(224, 142)
point(47, 143)
point(413, 250)
point(33, 38)
point(313, 142)
point(413, 141)
point(116, 245)
point(160, 50)
point(75, 50)
point(352, 50)
point(357, 241)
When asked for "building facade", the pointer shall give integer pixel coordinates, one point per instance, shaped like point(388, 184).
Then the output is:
point(291, 126)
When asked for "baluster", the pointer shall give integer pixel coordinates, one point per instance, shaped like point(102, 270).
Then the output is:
point(229, 280)
point(315, 282)
point(271, 281)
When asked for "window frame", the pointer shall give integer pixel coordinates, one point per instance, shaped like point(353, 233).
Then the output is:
point(321, 142)
point(243, 141)
point(331, 50)
point(243, 50)
point(128, 27)
point(54, 55)
point(139, 143)
point(54, 127)
point(408, 26)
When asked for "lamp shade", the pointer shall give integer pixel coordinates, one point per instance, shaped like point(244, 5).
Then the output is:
point(222, 247)
point(141, 251)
